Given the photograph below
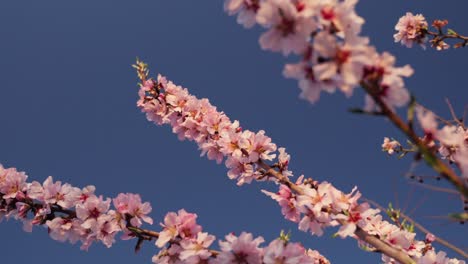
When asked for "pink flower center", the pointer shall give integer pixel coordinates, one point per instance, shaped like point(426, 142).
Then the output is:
point(300, 6)
point(309, 73)
point(94, 213)
point(327, 13)
point(287, 26)
point(342, 56)
point(354, 217)
point(241, 258)
point(252, 5)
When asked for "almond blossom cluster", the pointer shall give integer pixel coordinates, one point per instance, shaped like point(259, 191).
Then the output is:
point(320, 205)
point(70, 213)
point(216, 135)
point(182, 241)
point(412, 29)
point(451, 140)
point(73, 214)
point(325, 34)
point(391, 146)
point(313, 205)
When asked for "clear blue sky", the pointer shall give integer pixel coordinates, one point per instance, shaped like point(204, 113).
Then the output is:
point(67, 109)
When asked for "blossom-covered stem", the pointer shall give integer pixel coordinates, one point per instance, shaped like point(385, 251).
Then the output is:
point(73, 214)
point(378, 244)
point(424, 230)
point(383, 247)
point(281, 178)
point(150, 235)
point(430, 157)
point(249, 156)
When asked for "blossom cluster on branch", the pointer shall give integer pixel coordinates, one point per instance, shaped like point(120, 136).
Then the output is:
point(450, 141)
point(70, 213)
point(252, 156)
point(326, 34)
point(413, 29)
point(73, 214)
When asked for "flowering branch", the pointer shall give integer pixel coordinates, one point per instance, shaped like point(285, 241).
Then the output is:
point(326, 34)
point(397, 214)
point(429, 156)
point(73, 214)
point(414, 29)
point(311, 204)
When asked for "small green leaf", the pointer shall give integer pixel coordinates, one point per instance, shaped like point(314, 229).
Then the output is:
point(451, 32)
point(285, 236)
point(402, 155)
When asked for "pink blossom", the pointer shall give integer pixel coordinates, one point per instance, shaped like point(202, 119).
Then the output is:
point(246, 10)
point(169, 256)
point(427, 121)
point(315, 198)
point(287, 200)
point(12, 183)
point(310, 86)
point(389, 78)
point(411, 29)
point(430, 237)
point(130, 204)
point(341, 62)
point(242, 249)
point(106, 228)
point(90, 210)
point(356, 216)
point(340, 16)
point(196, 250)
point(288, 30)
point(432, 258)
point(279, 251)
point(64, 195)
point(243, 172)
point(181, 224)
point(61, 229)
point(283, 162)
point(390, 146)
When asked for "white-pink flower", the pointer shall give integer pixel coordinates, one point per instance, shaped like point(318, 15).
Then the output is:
point(340, 17)
point(12, 183)
point(390, 146)
point(411, 29)
point(341, 62)
point(181, 224)
point(241, 249)
point(428, 122)
point(246, 10)
point(196, 250)
point(289, 31)
point(91, 210)
point(61, 229)
point(389, 79)
point(287, 201)
point(130, 204)
point(64, 195)
point(310, 86)
point(279, 251)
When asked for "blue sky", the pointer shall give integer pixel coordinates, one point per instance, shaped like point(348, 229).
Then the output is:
point(67, 109)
